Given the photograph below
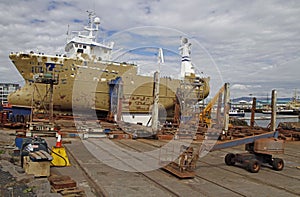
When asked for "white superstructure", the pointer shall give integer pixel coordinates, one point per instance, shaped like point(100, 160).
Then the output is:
point(84, 42)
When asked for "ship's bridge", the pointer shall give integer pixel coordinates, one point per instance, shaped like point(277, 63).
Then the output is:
point(82, 46)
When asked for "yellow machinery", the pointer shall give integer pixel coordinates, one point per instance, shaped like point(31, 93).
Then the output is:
point(60, 157)
point(205, 114)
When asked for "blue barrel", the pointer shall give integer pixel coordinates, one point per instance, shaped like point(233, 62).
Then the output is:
point(106, 130)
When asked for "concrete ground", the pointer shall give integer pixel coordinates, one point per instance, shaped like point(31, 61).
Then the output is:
point(213, 176)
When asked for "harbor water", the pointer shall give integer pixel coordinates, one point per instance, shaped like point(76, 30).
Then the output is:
point(263, 120)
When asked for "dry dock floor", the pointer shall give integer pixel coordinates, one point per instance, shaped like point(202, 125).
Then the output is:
point(213, 176)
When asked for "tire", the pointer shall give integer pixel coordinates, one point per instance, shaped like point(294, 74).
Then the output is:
point(13, 118)
point(22, 119)
point(278, 164)
point(17, 118)
point(253, 166)
point(229, 159)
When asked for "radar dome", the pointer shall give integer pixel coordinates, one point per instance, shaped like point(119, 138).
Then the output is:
point(184, 40)
point(97, 20)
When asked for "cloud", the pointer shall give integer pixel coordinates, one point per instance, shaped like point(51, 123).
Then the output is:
point(245, 43)
point(244, 87)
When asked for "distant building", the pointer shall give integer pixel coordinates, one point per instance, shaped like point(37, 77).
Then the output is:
point(6, 89)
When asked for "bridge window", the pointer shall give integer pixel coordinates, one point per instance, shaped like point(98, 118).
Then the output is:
point(79, 50)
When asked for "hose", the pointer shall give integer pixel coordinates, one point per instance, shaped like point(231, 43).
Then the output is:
point(60, 157)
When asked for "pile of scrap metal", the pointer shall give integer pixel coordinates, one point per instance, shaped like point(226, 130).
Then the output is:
point(14, 117)
point(289, 130)
point(8, 120)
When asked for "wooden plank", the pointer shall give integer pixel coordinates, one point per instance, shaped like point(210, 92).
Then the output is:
point(64, 184)
point(73, 191)
point(62, 189)
point(41, 155)
point(57, 178)
point(35, 156)
point(49, 157)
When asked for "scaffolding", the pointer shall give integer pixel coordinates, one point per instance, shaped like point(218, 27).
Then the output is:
point(44, 105)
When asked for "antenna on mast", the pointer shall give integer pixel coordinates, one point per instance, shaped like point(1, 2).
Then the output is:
point(68, 33)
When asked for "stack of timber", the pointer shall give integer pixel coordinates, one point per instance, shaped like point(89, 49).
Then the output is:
point(65, 186)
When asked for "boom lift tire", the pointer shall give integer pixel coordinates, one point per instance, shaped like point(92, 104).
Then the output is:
point(229, 159)
point(253, 166)
point(278, 164)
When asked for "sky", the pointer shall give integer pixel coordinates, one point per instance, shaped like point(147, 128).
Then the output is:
point(253, 45)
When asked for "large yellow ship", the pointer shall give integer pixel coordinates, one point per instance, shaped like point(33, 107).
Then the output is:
point(88, 66)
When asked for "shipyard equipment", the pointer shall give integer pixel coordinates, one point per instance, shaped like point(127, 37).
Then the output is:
point(260, 148)
point(36, 148)
point(59, 154)
point(42, 105)
point(205, 115)
point(35, 156)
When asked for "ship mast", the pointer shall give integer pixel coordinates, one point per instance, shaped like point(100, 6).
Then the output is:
point(155, 121)
point(94, 23)
point(186, 65)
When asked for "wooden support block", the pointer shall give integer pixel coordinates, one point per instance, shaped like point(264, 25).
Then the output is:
point(73, 191)
point(57, 178)
point(64, 184)
point(165, 137)
point(38, 168)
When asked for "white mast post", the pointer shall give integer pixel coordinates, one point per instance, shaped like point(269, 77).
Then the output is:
point(155, 122)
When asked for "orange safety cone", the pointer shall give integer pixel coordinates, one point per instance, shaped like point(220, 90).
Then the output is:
point(59, 154)
point(58, 141)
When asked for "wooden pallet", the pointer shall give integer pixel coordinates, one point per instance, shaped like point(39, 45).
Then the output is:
point(72, 191)
point(65, 186)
